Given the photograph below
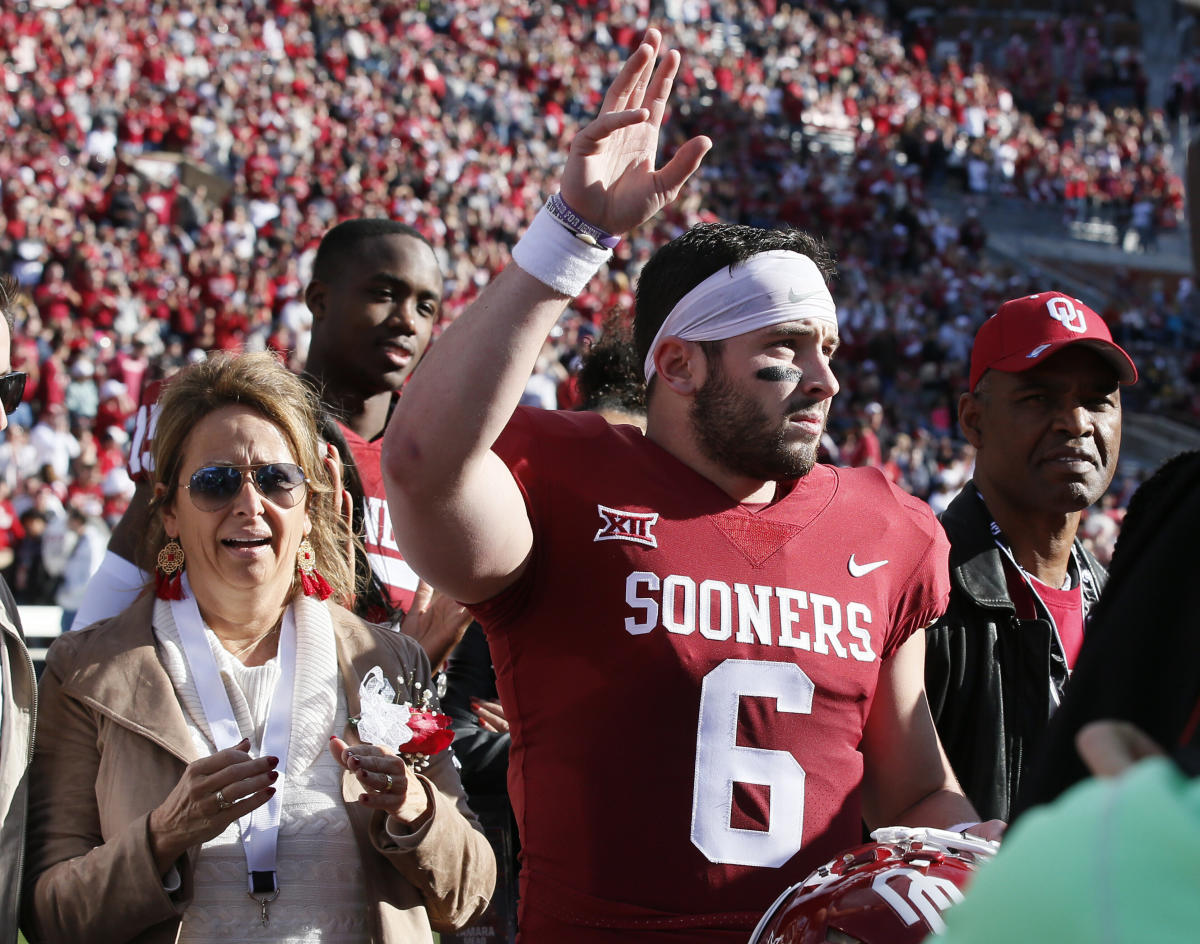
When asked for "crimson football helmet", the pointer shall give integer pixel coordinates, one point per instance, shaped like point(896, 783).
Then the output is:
point(890, 891)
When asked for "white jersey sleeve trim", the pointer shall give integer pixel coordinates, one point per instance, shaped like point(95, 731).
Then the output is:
point(112, 588)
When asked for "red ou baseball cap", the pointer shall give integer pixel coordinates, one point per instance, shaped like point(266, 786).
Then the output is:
point(1025, 331)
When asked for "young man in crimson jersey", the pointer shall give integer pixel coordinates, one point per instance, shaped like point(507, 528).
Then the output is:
point(708, 648)
point(375, 295)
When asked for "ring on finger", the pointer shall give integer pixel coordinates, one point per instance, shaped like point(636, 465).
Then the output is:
point(388, 786)
point(222, 803)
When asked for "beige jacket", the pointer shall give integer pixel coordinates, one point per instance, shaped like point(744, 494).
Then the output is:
point(112, 743)
point(18, 710)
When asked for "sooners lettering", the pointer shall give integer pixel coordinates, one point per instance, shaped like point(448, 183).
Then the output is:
point(618, 525)
point(141, 459)
point(756, 615)
point(378, 524)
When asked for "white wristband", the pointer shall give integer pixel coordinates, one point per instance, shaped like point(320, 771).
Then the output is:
point(556, 258)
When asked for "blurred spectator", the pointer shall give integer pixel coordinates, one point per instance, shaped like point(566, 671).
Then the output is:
point(82, 397)
point(865, 448)
point(11, 529)
point(82, 549)
point(18, 456)
point(54, 445)
point(31, 582)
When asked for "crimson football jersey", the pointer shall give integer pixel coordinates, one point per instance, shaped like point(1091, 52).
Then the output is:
point(378, 539)
point(687, 681)
point(140, 461)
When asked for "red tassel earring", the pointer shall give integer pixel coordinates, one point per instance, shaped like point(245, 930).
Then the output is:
point(311, 581)
point(168, 576)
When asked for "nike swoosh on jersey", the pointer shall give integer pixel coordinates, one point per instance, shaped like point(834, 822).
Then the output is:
point(861, 570)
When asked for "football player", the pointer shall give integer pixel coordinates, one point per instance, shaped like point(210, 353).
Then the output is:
point(708, 648)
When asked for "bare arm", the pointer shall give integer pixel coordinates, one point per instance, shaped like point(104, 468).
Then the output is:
point(457, 514)
point(459, 518)
point(907, 780)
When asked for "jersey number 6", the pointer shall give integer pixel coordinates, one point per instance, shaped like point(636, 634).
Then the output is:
point(721, 762)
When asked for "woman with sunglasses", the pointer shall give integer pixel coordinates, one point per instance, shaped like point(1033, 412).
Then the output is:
point(185, 783)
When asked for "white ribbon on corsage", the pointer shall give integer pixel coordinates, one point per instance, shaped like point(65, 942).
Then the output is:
point(382, 721)
point(258, 830)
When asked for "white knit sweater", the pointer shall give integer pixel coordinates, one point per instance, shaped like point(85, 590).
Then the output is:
point(321, 896)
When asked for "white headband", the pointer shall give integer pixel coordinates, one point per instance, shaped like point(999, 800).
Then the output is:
point(767, 289)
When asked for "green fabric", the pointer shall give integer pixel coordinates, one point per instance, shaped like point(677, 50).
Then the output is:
point(1111, 862)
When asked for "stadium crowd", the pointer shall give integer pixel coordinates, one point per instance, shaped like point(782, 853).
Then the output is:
point(166, 174)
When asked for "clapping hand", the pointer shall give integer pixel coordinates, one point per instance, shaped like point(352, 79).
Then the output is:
point(212, 793)
point(388, 781)
point(610, 179)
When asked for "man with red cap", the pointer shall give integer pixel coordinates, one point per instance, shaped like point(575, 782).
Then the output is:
point(1044, 414)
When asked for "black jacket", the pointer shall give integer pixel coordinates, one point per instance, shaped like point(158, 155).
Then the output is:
point(989, 674)
point(1140, 661)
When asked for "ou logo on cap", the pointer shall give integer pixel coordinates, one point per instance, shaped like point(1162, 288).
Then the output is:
point(1062, 310)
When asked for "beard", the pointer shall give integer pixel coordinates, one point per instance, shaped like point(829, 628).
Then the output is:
point(734, 431)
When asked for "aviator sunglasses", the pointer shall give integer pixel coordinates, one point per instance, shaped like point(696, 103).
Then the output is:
point(12, 388)
point(215, 486)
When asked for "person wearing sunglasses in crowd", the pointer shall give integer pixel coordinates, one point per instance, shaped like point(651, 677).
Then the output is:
point(185, 785)
point(18, 687)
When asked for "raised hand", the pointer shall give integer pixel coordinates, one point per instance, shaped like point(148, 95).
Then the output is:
point(610, 179)
point(1109, 747)
point(490, 714)
point(211, 794)
point(437, 622)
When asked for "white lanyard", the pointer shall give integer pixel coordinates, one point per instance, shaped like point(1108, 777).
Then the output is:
point(259, 830)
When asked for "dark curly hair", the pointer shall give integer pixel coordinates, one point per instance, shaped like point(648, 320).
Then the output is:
point(611, 375)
